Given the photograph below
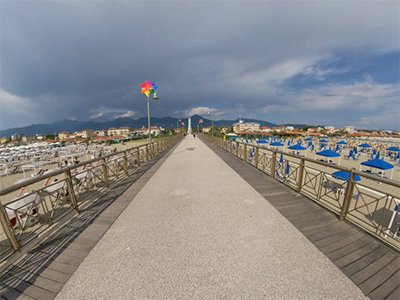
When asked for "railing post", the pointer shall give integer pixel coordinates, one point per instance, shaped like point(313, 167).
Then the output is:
point(105, 173)
point(348, 196)
point(147, 153)
point(237, 149)
point(245, 152)
point(125, 163)
point(256, 158)
point(273, 164)
point(300, 179)
point(231, 146)
point(138, 156)
point(8, 230)
point(71, 192)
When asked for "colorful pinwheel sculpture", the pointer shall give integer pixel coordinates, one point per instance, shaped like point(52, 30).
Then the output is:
point(149, 88)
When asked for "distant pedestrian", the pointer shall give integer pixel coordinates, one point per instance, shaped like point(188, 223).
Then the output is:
point(194, 135)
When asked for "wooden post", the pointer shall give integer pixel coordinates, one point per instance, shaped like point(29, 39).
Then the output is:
point(71, 192)
point(256, 158)
point(273, 164)
point(105, 173)
point(8, 230)
point(300, 179)
point(348, 196)
point(237, 149)
point(125, 163)
point(138, 156)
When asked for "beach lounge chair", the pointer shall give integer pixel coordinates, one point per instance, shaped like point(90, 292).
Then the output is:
point(24, 211)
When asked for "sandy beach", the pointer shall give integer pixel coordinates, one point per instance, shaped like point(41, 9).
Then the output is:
point(6, 181)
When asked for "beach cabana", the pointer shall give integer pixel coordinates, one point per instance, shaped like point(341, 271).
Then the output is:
point(342, 175)
point(276, 144)
point(329, 154)
point(378, 164)
point(298, 147)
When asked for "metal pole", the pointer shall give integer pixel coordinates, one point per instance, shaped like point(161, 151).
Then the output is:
point(212, 128)
point(148, 117)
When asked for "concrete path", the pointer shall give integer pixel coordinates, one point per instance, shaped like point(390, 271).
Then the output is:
point(197, 230)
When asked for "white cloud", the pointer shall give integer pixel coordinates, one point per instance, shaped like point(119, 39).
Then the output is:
point(129, 114)
point(201, 111)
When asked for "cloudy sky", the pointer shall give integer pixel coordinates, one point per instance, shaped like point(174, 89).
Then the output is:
point(319, 63)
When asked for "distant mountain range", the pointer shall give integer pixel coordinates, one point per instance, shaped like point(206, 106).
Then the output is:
point(72, 126)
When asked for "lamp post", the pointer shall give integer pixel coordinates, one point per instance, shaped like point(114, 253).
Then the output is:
point(149, 88)
point(212, 126)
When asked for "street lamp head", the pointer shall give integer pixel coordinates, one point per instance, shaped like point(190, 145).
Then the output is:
point(155, 96)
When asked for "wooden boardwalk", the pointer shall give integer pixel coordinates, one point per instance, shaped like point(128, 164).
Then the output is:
point(371, 265)
point(43, 271)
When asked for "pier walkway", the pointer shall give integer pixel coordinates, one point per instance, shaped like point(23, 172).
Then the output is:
point(189, 227)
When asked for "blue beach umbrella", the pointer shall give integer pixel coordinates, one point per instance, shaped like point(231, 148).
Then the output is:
point(308, 140)
point(342, 143)
point(277, 144)
point(365, 146)
point(395, 149)
point(297, 147)
point(287, 168)
point(324, 141)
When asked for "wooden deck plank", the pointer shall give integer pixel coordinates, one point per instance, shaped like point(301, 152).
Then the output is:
point(380, 277)
point(395, 294)
point(383, 291)
point(344, 242)
point(357, 244)
point(356, 255)
point(334, 235)
point(364, 261)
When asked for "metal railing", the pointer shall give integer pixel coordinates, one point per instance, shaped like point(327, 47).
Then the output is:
point(372, 203)
point(58, 195)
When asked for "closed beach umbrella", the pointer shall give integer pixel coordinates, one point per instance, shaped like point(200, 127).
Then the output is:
point(287, 168)
point(281, 159)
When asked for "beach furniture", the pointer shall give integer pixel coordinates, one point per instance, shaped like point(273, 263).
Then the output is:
point(24, 211)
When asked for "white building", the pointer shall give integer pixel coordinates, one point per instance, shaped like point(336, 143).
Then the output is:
point(246, 127)
point(349, 129)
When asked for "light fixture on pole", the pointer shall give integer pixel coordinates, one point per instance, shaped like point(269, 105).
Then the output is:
point(212, 126)
point(149, 88)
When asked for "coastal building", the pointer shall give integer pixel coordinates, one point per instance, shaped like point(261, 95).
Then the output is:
point(265, 129)
point(27, 139)
point(5, 140)
point(118, 131)
point(246, 127)
point(206, 129)
point(17, 136)
point(40, 137)
point(63, 135)
point(145, 131)
point(101, 133)
point(88, 134)
point(349, 129)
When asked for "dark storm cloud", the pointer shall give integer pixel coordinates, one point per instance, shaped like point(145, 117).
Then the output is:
point(85, 59)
